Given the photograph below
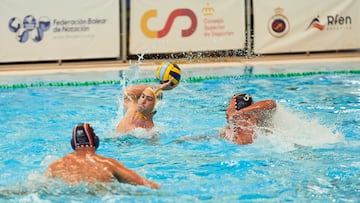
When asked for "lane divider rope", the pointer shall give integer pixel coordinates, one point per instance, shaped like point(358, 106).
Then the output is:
point(187, 80)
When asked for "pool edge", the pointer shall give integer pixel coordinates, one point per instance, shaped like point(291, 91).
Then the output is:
point(115, 65)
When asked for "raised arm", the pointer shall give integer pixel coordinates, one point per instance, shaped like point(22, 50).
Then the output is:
point(253, 113)
point(136, 90)
point(260, 106)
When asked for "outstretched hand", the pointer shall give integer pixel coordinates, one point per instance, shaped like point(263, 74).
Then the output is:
point(168, 85)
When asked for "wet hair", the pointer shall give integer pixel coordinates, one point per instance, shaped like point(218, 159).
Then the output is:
point(84, 136)
point(242, 101)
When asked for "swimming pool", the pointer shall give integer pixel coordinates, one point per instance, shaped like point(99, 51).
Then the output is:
point(312, 155)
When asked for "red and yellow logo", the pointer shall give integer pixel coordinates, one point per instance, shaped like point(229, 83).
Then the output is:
point(169, 22)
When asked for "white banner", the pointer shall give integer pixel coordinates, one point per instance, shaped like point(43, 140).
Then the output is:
point(282, 26)
point(158, 26)
point(38, 30)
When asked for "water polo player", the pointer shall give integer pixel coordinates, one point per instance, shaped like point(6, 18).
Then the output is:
point(139, 104)
point(243, 116)
point(84, 165)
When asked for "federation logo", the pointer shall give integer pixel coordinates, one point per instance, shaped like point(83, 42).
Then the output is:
point(29, 27)
point(278, 24)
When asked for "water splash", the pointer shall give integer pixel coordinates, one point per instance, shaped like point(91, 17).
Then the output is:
point(291, 130)
point(131, 73)
point(37, 187)
point(127, 76)
point(140, 133)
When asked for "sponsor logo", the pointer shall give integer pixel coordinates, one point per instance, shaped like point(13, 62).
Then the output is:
point(315, 23)
point(336, 22)
point(29, 27)
point(169, 21)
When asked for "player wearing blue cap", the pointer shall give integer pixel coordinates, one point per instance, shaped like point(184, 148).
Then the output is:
point(84, 165)
point(243, 116)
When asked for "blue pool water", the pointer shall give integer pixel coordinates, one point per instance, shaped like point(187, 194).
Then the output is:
point(311, 156)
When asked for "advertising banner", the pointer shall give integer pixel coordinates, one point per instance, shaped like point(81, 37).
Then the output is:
point(282, 26)
point(158, 26)
point(39, 30)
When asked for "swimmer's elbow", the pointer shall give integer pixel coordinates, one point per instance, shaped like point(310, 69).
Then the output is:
point(273, 104)
point(268, 104)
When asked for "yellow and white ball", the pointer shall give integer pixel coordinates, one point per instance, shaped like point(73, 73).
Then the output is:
point(166, 70)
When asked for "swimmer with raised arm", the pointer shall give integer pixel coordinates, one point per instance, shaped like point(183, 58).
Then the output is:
point(243, 116)
point(84, 165)
point(139, 104)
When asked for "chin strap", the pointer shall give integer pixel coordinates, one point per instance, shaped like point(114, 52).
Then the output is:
point(141, 115)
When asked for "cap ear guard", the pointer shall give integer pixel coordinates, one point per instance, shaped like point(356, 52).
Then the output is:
point(96, 143)
point(84, 136)
point(158, 94)
point(242, 101)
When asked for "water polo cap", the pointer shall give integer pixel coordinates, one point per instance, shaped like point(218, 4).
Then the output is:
point(242, 101)
point(157, 95)
point(84, 136)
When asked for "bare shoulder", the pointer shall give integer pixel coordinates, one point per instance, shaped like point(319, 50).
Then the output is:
point(56, 166)
point(109, 160)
